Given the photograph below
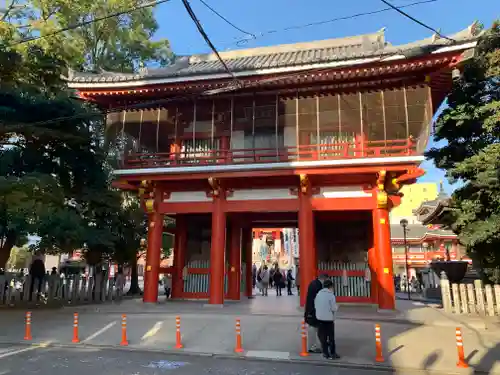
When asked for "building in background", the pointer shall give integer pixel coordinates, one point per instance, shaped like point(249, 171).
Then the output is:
point(413, 196)
point(427, 239)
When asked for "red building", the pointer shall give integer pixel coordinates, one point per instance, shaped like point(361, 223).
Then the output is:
point(318, 136)
point(425, 244)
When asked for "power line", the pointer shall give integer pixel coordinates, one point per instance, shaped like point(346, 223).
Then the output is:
point(228, 87)
point(398, 9)
point(198, 25)
point(226, 20)
point(90, 22)
point(243, 41)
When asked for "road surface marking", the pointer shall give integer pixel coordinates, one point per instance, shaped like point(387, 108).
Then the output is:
point(24, 350)
point(153, 331)
point(101, 331)
point(271, 354)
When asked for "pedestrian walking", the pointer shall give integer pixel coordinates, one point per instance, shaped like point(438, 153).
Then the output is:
point(310, 314)
point(326, 306)
point(297, 279)
point(279, 280)
point(264, 280)
point(37, 275)
point(254, 275)
point(167, 284)
point(289, 282)
point(119, 283)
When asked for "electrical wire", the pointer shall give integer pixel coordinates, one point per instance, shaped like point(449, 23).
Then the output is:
point(158, 102)
point(398, 9)
point(90, 22)
point(198, 25)
point(226, 20)
point(243, 41)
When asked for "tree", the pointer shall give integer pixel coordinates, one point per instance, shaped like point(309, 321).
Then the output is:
point(470, 125)
point(130, 239)
point(48, 168)
point(121, 43)
point(67, 154)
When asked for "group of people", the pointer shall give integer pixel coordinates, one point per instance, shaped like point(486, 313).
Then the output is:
point(401, 284)
point(265, 278)
point(321, 307)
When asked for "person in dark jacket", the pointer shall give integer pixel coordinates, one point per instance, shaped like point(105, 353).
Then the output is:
point(278, 279)
point(37, 274)
point(310, 314)
point(289, 282)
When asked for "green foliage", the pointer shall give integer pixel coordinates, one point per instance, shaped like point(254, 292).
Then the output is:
point(117, 43)
point(55, 175)
point(48, 169)
point(471, 127)
point(167, 245)
point(19, 258)
point(130, 230)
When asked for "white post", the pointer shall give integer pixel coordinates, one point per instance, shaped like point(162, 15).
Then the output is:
point(463, 299)
point(490, 303)
point(456, 299)
point(472, 299)
point(445, 293)
point(497, 297)
point(478, 288)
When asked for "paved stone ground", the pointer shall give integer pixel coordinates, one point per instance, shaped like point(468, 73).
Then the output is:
point(83, 361)
point(266, 337)
point(416, 312)
point(270, 330)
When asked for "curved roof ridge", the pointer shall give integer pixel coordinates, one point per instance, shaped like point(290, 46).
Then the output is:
point(366, 42)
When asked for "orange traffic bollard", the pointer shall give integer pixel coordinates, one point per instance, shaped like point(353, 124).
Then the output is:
point(178, 342)
point(27, 331)
point(378, 344)
point(238, 348)
point(75, 329)
point(304, 352)
point(460, 349)
point(124, 341)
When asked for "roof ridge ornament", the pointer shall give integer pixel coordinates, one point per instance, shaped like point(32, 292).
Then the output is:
point(143, 70)
point(436, 36)
point(475, 28)
point(70, 75)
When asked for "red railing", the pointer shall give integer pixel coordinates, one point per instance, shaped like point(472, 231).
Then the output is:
point(367, 149)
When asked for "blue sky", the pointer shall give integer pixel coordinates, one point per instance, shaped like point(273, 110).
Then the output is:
point(259, 16)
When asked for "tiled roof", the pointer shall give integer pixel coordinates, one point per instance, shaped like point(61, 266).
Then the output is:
point(417, 231)
point(281, 56)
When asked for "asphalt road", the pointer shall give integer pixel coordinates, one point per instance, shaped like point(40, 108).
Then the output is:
point(24, 360)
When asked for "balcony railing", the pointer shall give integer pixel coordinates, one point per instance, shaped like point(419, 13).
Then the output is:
point(345, 150)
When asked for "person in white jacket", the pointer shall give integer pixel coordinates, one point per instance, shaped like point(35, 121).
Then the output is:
point(326, 306)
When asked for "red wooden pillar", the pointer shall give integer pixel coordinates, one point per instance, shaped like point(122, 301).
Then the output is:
point(234, 276)
point(217, 252)
point(372, 265)
point(307, 254)
point(153, 257)
point(383, 251)
point(179, 255)
point(247, 239)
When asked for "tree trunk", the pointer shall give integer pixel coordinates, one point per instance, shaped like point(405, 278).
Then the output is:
point(134, 279)
point(5, 254)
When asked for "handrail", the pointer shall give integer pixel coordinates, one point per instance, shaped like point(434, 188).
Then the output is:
point(330, 151)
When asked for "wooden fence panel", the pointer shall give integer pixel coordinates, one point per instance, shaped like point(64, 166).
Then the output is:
point(464, 299)
point(490, 301)
point(15, 290)
point(473, 299)
point(497, 297)
point(479, 291)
